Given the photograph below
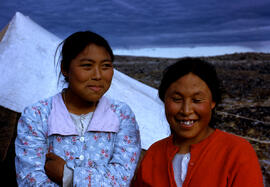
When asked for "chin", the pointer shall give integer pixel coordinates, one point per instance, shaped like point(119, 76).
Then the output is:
point(92, 98)
point(184, 134)
point(96, 99)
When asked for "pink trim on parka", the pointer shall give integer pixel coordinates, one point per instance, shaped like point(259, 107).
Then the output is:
point(59, 121)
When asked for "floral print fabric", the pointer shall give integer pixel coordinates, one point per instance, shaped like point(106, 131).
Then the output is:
point(97, 158)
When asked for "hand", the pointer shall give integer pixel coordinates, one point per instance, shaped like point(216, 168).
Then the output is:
point(54, 168)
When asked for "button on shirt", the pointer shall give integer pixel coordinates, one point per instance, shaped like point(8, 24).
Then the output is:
point(112, 129)
point(82, 139)
point(81, 122)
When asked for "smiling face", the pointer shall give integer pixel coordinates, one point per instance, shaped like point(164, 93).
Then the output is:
point(188, 106)
point(90, 74)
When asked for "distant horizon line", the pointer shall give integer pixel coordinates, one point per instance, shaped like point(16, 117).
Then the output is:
point(179, 52)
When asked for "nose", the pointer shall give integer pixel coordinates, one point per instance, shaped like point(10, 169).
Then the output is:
point(96, 73)
point(186, 108)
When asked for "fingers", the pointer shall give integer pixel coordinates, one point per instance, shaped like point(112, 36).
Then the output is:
point(50, 155)
point(53, 172)
point(54, 157)
point(54, 167)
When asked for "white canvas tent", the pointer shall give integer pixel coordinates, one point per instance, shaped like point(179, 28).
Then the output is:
point(28, 74)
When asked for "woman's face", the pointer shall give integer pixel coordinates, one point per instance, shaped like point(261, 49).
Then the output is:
point(90, 73)
point(188, 107)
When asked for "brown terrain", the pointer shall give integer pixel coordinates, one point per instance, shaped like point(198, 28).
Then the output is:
point(245, 110)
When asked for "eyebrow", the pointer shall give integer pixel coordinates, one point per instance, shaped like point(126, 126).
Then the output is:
point(90, 60)
point(199, 93)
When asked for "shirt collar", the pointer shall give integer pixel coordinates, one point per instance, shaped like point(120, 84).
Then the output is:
point(60, 122)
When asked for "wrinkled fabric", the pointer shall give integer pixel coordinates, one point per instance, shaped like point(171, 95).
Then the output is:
point(220, 160)
point(180, 166)
point(97, 158)
point(81, 121)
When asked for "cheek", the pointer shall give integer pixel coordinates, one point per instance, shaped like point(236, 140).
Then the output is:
point(171, 109)
point(80, 76)
point(107, 76)
point(204, 110)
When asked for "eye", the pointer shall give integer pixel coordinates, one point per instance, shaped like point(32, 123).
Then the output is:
point(106, 65)
point(177, 99)
point(86, 65)
point(197, 100)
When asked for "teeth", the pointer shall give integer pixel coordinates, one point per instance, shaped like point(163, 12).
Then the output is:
point(188, 123)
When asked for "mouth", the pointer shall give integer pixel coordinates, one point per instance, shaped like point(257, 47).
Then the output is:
point(186, 123)
point(95, 88)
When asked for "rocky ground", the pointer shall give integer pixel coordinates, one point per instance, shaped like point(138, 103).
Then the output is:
point(245, 110)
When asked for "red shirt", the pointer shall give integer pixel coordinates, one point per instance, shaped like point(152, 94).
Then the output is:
point(221, 160)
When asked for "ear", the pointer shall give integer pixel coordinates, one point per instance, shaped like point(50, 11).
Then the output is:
point(213, 104)
point(64, 72)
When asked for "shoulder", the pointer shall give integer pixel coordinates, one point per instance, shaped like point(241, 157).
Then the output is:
point(33, 120)
point(156, 154)
point(231, 139)
point(119, 106)
point(240, 157)
point(160, 145)
point(235, 144)
point(125, 115)
point(41, 107)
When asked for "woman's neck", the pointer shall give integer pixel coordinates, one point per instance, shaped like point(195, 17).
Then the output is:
point(76, 104)
point(185, 143)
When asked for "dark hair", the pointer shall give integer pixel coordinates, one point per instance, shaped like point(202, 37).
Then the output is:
point(76, 43)
point(201, 68)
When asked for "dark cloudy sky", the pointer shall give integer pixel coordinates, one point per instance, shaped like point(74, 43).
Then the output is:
point(135, 23)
